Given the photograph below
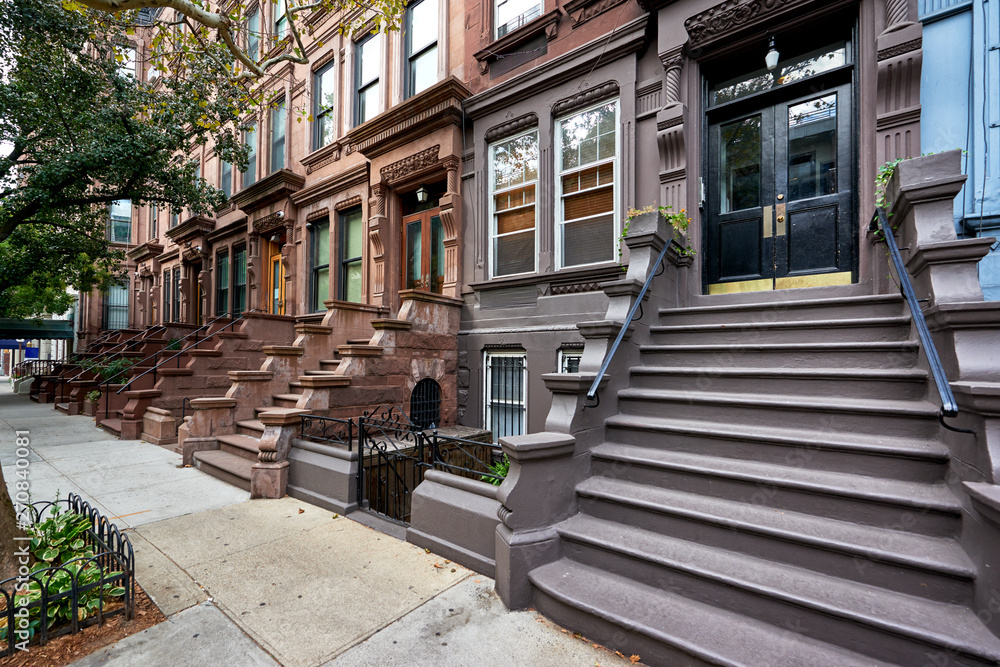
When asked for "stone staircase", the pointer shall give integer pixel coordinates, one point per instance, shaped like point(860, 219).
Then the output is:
point(772, 492)
point(236, 454)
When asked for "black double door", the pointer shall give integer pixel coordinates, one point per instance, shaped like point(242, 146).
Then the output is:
point(779, 209)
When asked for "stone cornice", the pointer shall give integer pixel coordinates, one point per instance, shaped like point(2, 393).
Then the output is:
point(730, 17)
point(191, 228)
point(511, 128)
point(410, 164)
point(512, 39)
point(585, 99)
point(278, 185)
point(322, 157)
point(145, 251)
point(237, 227)
point(357, 175)
point(436, 107)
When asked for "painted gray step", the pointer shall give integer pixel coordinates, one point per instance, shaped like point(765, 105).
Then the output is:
point(240, 445)
point(670, 630)
point(927, 508)
point(817, 381)
point(232, 469)
point(884, 624)
point(930, 567)
point(898, 354)
point(917, 419)
point(915, 460)
point(251, 427)
point(859, 330)
point(882, 305)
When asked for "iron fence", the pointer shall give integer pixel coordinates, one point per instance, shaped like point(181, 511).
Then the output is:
point(115, 563)
point(328, 430)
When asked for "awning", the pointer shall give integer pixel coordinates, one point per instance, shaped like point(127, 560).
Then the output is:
point(32, 329)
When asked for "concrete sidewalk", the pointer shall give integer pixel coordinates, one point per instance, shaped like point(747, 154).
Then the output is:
point(268, 582)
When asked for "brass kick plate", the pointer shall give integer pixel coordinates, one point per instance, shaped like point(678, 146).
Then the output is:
point(768, 213)
point(780, 220)
point(764, 285)
point(815, 280)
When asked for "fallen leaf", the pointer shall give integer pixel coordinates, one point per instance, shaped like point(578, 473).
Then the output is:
point(335, 515)
point(634, 659)
point(439, 566)
point(301, 511)
point(453, 569)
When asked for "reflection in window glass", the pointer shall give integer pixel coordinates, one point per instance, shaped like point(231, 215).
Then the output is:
point(421, 46)
point(812, 148)
point(120, 226)
point(368, 55)
point(351, 241)
point(324, 106)
point(740, 164)
point(513, 184)
point(788, 71)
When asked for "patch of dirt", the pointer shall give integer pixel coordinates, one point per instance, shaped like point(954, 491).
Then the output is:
point(66, 649)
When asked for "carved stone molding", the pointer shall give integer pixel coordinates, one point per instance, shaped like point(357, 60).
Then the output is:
point(511, 128)
point(586, 98)
point(348, 203)
point(581, 11)
point(269, 222)
point(727, 17)
point(667, 124)
point(316, 215)
point(329, 158)
point(899, 49)
point(410, 164)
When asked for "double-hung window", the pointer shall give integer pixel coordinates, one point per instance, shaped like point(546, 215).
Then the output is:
point(280, 20)
point(177, 294)
point(253, 35)
point(320, 264)
point(116, 306)
point(324, 99)
point(222, 283)
point(351, 240)
point(513, 190)
point(421, 35)
point(226, 179)
point(569, 359)
point(506, 408)
point(509, 15)
point(278, 136)
point(120, 224)
point(154, 219)
point(239, 279)
point(126, 62)
point(166, 312)
point(367, 67)
point(587, 191)
point(250, 140)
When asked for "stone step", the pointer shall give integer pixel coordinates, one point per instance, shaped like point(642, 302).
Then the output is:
point(915, 460)
point(232, 469)
point(829, 354)
point(251, 427)
point(329, 364)
point(913, 419)
point(112, 425)
point(669, 629)
point(205, 353)
point(844, 382)
point(240, 445)
point(889, 626)
point(930, 509)
point(857, 330)
point(788, 310)
point(930, 567)
point(286, 400)
point(359, 341)
point(233, 334)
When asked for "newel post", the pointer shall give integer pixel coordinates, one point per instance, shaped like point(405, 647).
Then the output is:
point(269, 476)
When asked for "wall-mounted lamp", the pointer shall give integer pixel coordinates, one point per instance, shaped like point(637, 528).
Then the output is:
point(422, 195)
point(309, 226)
point(275, 237)
point(771, 59)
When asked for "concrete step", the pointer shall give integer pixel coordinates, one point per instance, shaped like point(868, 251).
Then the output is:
point(931, 508)
point(844, 382)
point(63, 407)
point(240, 445)
point(913, 419)
point(859, 330)
point(232, 469)
point(909, 459)
point(788, 310)
point(828, 354)
point(889, 626)
point(669, 629)
point(930, 567)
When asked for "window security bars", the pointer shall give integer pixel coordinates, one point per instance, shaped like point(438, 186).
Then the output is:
point(506, 394)
point(425, 404)
point(116, 307)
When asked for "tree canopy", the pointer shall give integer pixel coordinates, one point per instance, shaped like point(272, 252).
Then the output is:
point(85, 132)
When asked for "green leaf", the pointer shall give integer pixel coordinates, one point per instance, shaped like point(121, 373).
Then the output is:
point(49, 554)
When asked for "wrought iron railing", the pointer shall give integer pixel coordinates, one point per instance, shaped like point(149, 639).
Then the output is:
point(125, 345)
point(632, 317)
point(35, 595)
point(328, 430)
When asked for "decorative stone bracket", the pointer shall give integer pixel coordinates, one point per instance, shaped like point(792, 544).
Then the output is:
point(269, 476)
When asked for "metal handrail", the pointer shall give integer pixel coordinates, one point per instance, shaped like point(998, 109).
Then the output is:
point(180, 352)
point(949, 408)
point(126, 343)
point(592, 392)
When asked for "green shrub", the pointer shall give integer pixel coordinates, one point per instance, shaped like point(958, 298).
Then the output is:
point(500, 469)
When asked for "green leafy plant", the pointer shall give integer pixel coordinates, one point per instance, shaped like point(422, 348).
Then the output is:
point(108, 369)
point(500, 469)
point(173, 344)
point(94, 396)
point(882, 179)
point(679, 221)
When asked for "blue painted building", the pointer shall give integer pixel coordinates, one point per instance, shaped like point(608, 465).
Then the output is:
point(960, 100)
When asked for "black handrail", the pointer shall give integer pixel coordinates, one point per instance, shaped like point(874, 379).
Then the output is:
point(127, 343)
point(949, 408)
point(63, 380)
point(592, 392)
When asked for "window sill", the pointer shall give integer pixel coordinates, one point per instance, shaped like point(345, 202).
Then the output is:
point(562, 278)
point(546, 22)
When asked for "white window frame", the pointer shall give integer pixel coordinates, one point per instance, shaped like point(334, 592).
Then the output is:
point(616, 190)
point(487, 396)
point(492, 203)
point(567, 353)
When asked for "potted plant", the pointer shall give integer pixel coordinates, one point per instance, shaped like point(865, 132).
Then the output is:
point(90, 402)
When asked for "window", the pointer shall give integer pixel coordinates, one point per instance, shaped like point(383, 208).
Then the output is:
point(569, 359)
point(154, 219)
point(226, 179)
point(320, 265)
point(280, 20)
point(126, 61)
point(513, 187)
point(512, 14)
point(351, 240)
point(239, 279)
point(587, 166)
point(278, 137)
point(120, 224)
point(174, 219)
point(368, 62)
point(116, 307)
point(166, 296)
point(253, 35)
point(506, 407)
point(323, 106)
point(177, 294)
point(250, 140)
point(222, 283)
point(421, 46)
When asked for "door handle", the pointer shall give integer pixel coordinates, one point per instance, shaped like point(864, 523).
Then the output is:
point(779, 229)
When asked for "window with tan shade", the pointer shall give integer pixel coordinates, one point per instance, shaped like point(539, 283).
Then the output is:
point(513, 186)
point(587, 163)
